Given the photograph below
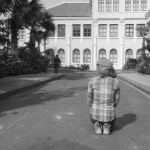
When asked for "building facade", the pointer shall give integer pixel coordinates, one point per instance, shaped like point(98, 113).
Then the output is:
point(89, 30)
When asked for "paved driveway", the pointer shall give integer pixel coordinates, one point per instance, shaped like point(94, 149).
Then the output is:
point(55, 116)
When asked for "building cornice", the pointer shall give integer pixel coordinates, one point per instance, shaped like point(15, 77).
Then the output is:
point(72, 18)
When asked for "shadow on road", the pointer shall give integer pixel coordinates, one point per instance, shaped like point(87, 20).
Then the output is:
point(37, 97)
point(124, 120)
point(76, 76)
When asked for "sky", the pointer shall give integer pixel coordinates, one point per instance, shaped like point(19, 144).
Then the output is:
point(51, 3)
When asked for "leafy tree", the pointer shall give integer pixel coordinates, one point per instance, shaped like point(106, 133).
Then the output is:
point(14, 11)
point(143, 31)
point(144, 62)
point(38, 21)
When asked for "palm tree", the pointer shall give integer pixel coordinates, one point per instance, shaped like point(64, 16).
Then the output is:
point(38, 21)
point(14, 11)
point(46, 25)
point(31, 18)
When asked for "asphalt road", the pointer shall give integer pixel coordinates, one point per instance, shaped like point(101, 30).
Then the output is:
point(55, 116)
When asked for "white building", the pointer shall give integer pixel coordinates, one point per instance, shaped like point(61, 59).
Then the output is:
point(88, 30)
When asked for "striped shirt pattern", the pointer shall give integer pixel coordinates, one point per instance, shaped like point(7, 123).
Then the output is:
point(103, 96)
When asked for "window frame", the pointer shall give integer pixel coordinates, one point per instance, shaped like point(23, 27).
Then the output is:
point(62, 57)
point(138, 53)
point(114, 56)
point(115, 5)
point(108, 5)
point(130, 28)
point(135, 5)
point(127, 5)
point(87, 56)
point(77, 58)
point(103, 29)
point(101, 5)
point(143, 6)
point(76, 30)
point(114, 31)
point(61, 30)
point(139, 25)
point(127, 53)
point(88, 32)
point(103, 54)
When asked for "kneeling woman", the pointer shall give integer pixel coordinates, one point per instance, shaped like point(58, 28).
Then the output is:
point(103, 96)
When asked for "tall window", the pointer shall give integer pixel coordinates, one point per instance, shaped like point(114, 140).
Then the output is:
point(143, 5)
point(129, 30)
point(87, 30)
point(113, 55)
point(102, 54)
point(102, 30)
point(21, 34)
point(76, 56)
point(135, 5)
point(101, 5)
point(139, 25)
point(108, 5)
point(116, 5)
point(76, 30)
point(61, 30)
point(129, 54)
point(86, 56)
point(113, 30)
point(128, 5)
point(61, 54)
point(138, 53)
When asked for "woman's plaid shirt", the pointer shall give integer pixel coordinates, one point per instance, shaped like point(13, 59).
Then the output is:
point(103, 96)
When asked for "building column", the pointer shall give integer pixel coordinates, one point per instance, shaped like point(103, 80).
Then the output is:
point(94, 53)
point(122, 53)
point(81, 40)
point(108, 31)
point(135, 32)
point(94, 44)
point(68, 52)
point(55, 34)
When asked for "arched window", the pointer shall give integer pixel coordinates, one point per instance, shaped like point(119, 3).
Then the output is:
point(138, 53)
point(61, 54)
point(76, 56)
point(102, 54)
point(113, 55)
point(129, 54)
point(86, 56)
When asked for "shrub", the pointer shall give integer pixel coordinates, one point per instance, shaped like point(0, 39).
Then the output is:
point(131, 64)
point(144, 66)
point(28, 61)
point(85, 67)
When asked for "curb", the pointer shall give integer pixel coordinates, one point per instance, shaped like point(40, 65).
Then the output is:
point(16, 91)
point(134, 84)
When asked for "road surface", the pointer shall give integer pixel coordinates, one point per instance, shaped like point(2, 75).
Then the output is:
point(55, 116)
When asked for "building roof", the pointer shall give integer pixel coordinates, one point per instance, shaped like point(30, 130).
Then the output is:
point(71, 10)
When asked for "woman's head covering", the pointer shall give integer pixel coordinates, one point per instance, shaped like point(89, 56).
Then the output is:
point(104, 67)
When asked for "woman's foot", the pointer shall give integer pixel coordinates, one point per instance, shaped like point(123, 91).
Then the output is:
point(97, 128)
point(106, 128)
